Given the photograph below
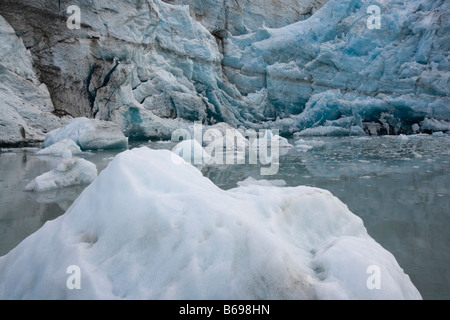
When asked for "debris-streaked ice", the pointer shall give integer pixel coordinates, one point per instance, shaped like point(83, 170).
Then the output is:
point(25, 104)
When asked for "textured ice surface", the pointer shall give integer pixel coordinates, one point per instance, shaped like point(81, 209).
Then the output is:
point(89, 134)
point(268, 138)
point(71, 171)
point(436, 125)
point(60, 147)
point(223, 133)
point(191, 151)
point(248, 15)
point(332, 66)
point(148, 228)
point(251, 181)
point(329, 72)
point(25, 104)
point(157, 67)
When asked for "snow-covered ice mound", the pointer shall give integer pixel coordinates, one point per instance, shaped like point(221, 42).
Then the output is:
point(89, 134)
point(70, 172)
point(149, 228)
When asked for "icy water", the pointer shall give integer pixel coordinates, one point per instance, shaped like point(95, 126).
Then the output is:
point(399, 186)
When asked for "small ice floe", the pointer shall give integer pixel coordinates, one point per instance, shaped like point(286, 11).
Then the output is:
point(69, 172)
point(60, 147)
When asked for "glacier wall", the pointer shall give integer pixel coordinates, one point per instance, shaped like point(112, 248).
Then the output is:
point(331, 70)
point(25, 104)
point(154, 66)
point(247, 16)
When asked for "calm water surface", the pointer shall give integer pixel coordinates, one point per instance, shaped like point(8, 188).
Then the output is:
point(399, 186)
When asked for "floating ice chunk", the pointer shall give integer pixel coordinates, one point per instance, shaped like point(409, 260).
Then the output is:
point(149, 229)
point(270, 139)
point(332, 131)
point(191, 151)
point(263, 182)
point(435, 125)
point(306, 145)
point(67, 154)
point(222, 135)
point(415, 128)
point(89, 134)
point(60, 147)
point(316, 142)
point(70, 172)
point(282, 142)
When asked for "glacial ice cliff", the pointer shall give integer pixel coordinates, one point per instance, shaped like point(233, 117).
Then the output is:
point(25, 104)
point(154, 66)
point(332, 70)
point(247, 16)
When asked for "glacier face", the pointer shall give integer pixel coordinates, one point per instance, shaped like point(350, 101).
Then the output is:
point(141, 64)
point(153, 66)
point(25, 104)
point(247, 16)
point(332, 66)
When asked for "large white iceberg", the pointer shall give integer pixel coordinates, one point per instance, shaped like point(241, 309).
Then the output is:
point(89, 134)
point(148, 228)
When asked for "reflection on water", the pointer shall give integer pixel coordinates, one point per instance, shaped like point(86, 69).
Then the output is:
point(22, 213)
point(399, 186)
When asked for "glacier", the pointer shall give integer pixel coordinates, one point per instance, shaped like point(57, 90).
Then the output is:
point(161, 230)
point(140, 70)
point(26, 109)
point(248, 16)
point(156, 66)
point(331, 66)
